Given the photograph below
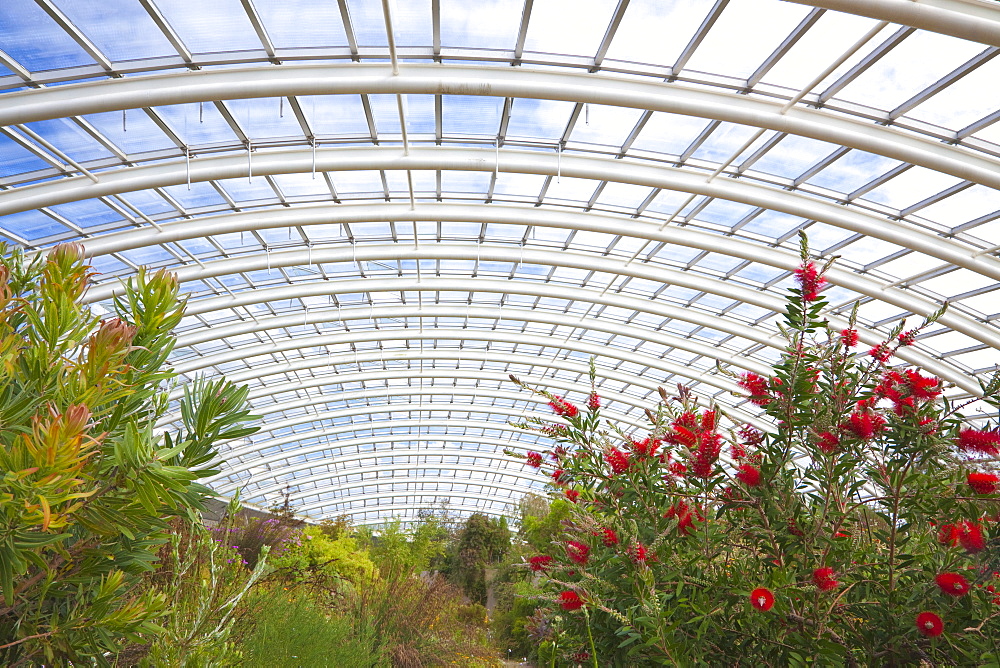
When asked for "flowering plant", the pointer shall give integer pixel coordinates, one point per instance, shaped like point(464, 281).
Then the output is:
point(850, 524)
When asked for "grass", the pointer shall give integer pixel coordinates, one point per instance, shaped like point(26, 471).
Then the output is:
point(286, 629)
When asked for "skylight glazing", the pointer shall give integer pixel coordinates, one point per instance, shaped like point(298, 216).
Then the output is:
point(380, 210)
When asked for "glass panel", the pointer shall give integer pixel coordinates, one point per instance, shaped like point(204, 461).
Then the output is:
point(484, 24)
point(121, 29)
point(30, 37)
point(220, 25)
point(553, 29)
point(302, 23)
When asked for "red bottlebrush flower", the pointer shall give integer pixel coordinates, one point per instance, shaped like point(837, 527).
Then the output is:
point(558, 452)
point(748, 475)
point(823, 578)
point(971, 537)
point(570, 600)
point(577, 551)
point(557, 476)
point(929, 625)
point(762, 599)
point(580, 657)
point(562, 407)
point(685, 517)
point(948, 535)
point(534, 459)
point(709, 448)
point(983, 442)
point(646, 447)
point(593, 401)
point(572, 495)
point(865, 425)
point(881, 352)
point(684, 436)
point(922, 387)
point(677, 469)
point(827, 442)
point(983, 483)
point(540, 563)
point(608, 537)
point(952, 584)
point(793, 527)
point(757, 386)
point(849, 337)
point(809, 280)
point(907, 338)
point(751, 435)
point(639, 554)
point(617, 460)
point(708, 421)
point(737, 451)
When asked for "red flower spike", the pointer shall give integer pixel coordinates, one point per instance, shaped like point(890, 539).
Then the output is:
point(952, 584)
point(570, 600)
point(557, 476)
point(907, 338)
point(677, 469)
point(757, 386)
point(580, 657)
point(750, 435)
point(983, 483)
point(572, 495)
point(849, 337)
point(685, 517)
point(610, 538)
point(646, 447)
point(823, 578)
point(929, 625)
point(881, 352)
point(577, 551)
point(617, 460)
point(809, 280)
point(534, 459)
point(562, 407)
point(827, 442)
point(971, 537)
point(948, 535)
point(983, 442)
point(639, 554)
point(865, 425)
point(762, 599)
point(593, 401)
point(540, 563)
point(748, 475)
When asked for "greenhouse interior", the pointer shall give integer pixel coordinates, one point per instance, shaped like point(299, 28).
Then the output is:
point(500, 333)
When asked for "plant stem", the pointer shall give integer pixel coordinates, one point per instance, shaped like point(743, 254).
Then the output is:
point(590, 637)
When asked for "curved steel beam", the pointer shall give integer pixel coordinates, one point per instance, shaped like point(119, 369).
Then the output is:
point(464, 510)
point(380, 454)
point(445, 79)
point(629, 171)
point(475, 393)
point(388, 495)
point(977, 22)
point(957, 322)
point(303, 493)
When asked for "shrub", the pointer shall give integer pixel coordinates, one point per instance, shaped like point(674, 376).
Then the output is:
point(288, 629)
point(854, 533)
point(88, 484)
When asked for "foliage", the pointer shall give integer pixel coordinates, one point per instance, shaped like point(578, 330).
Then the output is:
point(87, 483)
point(420, 621)
point(417, 549)
point(251, 534)
point(310, 555)
point(856, 533)
point(203, 579)
point(289, 629)
point(482, 541)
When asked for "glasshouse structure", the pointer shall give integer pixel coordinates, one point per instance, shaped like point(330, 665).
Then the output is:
point(380, 211)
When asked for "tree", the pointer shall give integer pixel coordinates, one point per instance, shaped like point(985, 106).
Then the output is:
point(88, 482)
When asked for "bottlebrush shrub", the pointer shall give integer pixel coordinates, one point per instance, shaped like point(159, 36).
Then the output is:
point(846, 513)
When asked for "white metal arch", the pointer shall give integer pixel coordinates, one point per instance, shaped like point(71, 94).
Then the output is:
point(307, 508)
point(763, 300)
point(514, 82)
point(625, 170)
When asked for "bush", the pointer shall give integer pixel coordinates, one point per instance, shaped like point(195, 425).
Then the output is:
point(288, 629)
point(88, 485)
point(855, 533)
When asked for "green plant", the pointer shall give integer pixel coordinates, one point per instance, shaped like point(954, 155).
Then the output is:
point(203, 579)
point(87, 483)
point(854, 533)
point(288, 629)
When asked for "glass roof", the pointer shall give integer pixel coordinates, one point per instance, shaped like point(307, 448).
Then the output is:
point(379, 210)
